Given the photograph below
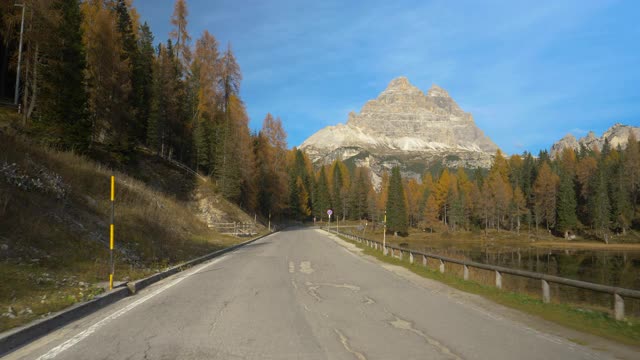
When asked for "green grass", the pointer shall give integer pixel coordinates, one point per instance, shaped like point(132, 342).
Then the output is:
point(586, 320)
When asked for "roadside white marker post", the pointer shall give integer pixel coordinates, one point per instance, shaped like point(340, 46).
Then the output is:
point(384, 234)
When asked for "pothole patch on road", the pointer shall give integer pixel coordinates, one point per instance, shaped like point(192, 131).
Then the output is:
point(368, 301)
point(402, 324)
point(339, 286)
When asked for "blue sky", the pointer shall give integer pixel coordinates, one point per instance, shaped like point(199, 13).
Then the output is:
point(529, 71)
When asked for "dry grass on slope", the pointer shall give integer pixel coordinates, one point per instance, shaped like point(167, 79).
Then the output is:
point(54, 219)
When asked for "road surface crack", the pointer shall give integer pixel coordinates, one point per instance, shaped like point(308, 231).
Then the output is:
point(345, 342)
point(402, 324)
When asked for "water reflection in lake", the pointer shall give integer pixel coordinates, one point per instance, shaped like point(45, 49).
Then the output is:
point(615, 268)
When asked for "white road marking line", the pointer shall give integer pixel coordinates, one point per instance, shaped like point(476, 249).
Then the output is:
point(305, 267)
point(292, 267)
point(93, 328)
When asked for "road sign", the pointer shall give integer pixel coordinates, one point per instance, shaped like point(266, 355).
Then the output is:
point(329, 212)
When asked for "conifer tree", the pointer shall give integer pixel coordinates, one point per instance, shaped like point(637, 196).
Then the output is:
point(62, 91)
point(144, 88)
point(519, 206)
point(396, 204)
point(109, 79)
point(631, 174)
point(179, 34)
point(339, 181)
point(566, 204)
point(381, 198)
point(598, 203)
point(323, 198)
point(545, 194)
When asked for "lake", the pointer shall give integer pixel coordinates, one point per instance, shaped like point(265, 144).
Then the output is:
point(615, 268)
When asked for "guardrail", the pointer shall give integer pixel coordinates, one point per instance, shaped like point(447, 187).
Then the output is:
point(617, 292)
point(234, 228)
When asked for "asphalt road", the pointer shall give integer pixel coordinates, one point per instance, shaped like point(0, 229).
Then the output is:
point(303, 294)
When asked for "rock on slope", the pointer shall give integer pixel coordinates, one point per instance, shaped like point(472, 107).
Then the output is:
point(405, 127)
point(617, 135)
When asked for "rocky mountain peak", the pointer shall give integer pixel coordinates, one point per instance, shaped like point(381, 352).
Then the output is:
point(400, 89)
point(437, 91)
point(404, 122)
point(399, 83)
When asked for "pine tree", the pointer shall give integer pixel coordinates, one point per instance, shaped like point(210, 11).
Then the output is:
point(545, 192)
point(631, 174)
point(566, 204)
point(179, 34)
point(62, 91)
point(381, 198)
point(396, 204)
point(164, 132)
point(205, 72)
point(294, 198)
point(598, 203)
point(109, 79)
point(323, 197)
point(414, 194)
point(270, 156)
point(144, 89)
point(339, 182)
point(519, 206)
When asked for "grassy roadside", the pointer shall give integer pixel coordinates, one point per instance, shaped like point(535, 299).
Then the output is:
point(54, 224)
point(593, 322)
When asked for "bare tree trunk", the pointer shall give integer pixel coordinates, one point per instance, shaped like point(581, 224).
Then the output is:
point(33, 85)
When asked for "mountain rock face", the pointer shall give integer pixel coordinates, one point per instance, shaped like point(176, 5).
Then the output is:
point(617, 135)
point(405, 127)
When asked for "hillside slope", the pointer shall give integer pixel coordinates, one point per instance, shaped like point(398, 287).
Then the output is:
point(54, 219)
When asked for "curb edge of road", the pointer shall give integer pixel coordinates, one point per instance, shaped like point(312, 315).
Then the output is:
point(13, 339)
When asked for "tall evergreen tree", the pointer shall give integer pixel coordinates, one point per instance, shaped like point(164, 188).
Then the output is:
point(323, 197)
point(566, 204)
point(144, 89)
point(396, 206)
point(599, 205)
point(180, 35)
point(109, 79)
point(545, 192)
point(62, 91)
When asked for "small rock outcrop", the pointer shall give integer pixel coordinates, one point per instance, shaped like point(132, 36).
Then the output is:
point(617, 135)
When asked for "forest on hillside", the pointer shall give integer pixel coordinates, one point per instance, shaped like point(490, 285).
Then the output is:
point(95, 82)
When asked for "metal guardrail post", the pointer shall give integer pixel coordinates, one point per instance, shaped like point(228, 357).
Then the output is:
point(618, 307)
point(546, 292)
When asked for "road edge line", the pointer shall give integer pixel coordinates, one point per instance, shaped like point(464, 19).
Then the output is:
point(14, 339)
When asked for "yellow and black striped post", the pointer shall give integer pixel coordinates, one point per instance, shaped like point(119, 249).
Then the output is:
point(111, 266)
